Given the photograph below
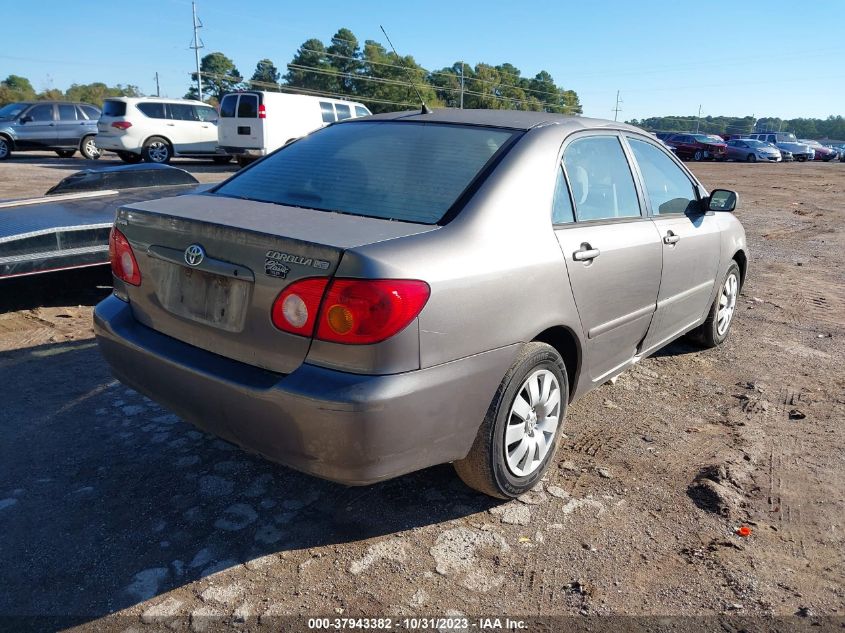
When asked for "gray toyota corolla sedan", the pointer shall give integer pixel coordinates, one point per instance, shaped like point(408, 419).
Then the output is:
point(411, 289)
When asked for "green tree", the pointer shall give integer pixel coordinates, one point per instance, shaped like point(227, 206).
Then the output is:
point(386, 79)
point(219, 76)
point(344, 55)
point(266, 73)
point(310, 68)
point(98, 92)
point(16, 88)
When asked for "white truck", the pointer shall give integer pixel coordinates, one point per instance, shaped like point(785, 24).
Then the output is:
point(253, 123)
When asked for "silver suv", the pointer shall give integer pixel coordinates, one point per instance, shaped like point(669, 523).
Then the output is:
point(786, 141)
point(60, 126)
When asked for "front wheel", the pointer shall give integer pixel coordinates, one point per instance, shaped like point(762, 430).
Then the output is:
point(698, 155)
point(130, 157)
point(716, 328)
point(521, 431)
point(157, 150)
point(89, 148)
point(752, 158)
point(5, 148)
point(65, 153)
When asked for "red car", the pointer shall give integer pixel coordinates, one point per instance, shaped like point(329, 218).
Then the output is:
point(698, 146)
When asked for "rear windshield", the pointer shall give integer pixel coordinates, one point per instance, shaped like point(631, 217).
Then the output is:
point(413, 172)
point(114, 108)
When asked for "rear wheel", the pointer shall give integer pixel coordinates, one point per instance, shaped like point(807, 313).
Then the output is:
point(521, 431)
point(751, 158)
point(222, 160)
point(65, 153)
point(716, 328)
point(801, 159)
point(5, 148)
point(129, 157)
point(157, 150)
point(698, 155)
point(89, 148)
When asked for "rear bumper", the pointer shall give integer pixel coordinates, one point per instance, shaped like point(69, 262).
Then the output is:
point(349, 428)
point(254, 152)
point(123, 143)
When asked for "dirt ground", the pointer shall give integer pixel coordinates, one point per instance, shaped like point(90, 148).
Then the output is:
point(117, 514)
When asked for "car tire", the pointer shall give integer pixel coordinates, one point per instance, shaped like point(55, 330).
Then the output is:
point(5, 148)
point(243, 161)
point(65, 153)
point(130, 157)
point(157, 150)
point(715, 330)
point(490, 467)
point(801, 159)
point(222, 160)
point(698, 155)
point(751, 158)
point(88, 148)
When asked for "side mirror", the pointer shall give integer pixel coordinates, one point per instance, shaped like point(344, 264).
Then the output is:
point(25, 119)
point(722, 200)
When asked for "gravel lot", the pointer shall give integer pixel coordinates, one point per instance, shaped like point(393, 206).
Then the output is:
point(118, 514)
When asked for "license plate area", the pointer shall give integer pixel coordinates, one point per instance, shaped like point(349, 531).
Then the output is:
point(204, 297)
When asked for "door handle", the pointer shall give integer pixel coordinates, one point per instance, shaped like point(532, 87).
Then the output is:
point(671, 238)
point(171, 124)
point(586, 253)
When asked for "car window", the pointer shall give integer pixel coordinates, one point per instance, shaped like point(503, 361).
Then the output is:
point(562, 212)
point(181, 112)
point(601, 180)
point(91, 112)
point(399, 171)
point(343, 111)
point(327, 112)
point(227, 106)
point(152, 109)
point(669, 189)
point(360, 111)
point(205, 113)
point(114, 108)
point(248, 107)
point(43, 112)
point(67, 112)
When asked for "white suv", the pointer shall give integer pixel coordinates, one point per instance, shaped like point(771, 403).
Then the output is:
point(156, 130)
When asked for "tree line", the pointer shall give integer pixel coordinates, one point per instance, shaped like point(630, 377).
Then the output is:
point(16, 88)
point(383, 80)
point(833, 127)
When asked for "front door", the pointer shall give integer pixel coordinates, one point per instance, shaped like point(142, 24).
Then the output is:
point(690, 242)
point(612, 251)
point(37, 127)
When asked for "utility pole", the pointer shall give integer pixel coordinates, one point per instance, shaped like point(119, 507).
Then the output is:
point(197, 45)
point(158, 88)
point(462, 85)
point(698, 120)
point(617, 109)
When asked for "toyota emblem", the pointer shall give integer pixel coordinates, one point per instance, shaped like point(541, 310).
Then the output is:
point(194, 255)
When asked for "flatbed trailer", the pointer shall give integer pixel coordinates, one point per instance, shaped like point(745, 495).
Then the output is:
point(69, 226)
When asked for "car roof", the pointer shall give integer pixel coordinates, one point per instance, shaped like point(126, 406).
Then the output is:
point(513, 119)
point(158, 99)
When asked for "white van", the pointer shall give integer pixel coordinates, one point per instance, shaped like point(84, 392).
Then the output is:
point(253, 123)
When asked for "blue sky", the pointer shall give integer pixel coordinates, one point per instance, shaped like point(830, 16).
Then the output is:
point(775, 58)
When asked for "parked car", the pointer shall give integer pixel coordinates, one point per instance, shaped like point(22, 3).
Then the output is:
point(788, 142)
point(697, 146)
point(752, 150)
point(61, 126)
point(405, 290)
point(157, 129)
point(254, 123)
point(822, 153)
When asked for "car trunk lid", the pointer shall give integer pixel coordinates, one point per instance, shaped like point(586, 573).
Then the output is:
point(212, 266)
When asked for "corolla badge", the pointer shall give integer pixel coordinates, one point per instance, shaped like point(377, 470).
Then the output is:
point(194, 255)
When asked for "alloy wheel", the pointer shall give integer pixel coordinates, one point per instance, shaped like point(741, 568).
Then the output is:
point(532, 423)
point(727, 304)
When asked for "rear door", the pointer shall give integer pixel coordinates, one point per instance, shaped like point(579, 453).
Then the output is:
point(241, 125)
point(690, 241)
point(70, 125)
point(612, 251)
point(37, 127)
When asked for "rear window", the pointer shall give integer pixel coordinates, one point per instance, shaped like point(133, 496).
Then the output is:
point(227, 106)
point(248, 107)
point(360, 111)
point(152, 110)
point(343, 111)
point(114, 108)
point(91, 112)
point(327, 112)
point(182, 112)
point(413, 172)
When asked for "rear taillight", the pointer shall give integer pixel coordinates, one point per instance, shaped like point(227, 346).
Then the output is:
point(121, 125)
point(295, 309)
point(122, 259)
point(262, 112)
point(351, 311)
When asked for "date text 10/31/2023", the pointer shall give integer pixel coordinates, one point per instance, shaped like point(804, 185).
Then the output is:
point(418, 624)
